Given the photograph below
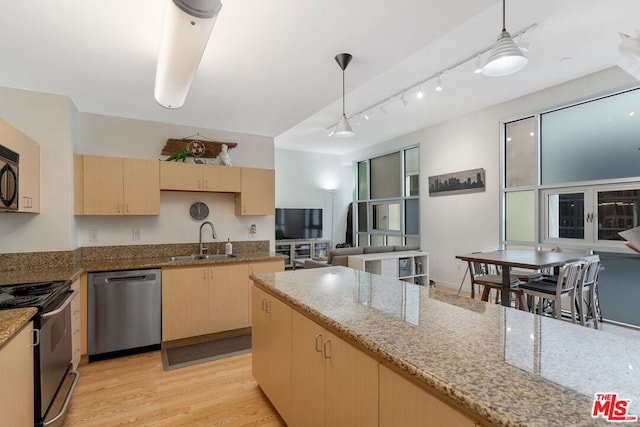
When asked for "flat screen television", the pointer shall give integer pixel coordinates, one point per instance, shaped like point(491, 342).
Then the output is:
point(298, 223)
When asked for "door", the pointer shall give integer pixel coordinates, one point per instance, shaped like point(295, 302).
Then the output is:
point(307, 372)
point(141, 187)
point(185, 303)
point(228, 297)
point(351, 381)
point(103, 185)
point(271, 348)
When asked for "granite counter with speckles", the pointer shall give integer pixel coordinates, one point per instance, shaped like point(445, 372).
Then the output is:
point(11, 321)
point(509, 367)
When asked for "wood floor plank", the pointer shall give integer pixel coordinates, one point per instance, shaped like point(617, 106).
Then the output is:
point(136, 391)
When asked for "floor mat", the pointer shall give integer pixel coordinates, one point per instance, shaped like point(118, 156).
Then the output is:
point(179, 357)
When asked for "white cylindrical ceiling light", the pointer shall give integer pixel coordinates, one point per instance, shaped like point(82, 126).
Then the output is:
point(186, 30)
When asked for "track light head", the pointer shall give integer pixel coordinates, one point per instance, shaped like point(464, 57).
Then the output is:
point(438, 87)
point(404, 99)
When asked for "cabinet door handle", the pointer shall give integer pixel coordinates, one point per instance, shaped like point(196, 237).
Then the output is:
point(319, 343)
point(118, 207)
point(206, 184)
point(199, 184)
point(264, 305)
point(36, 337)
point(326, 349)
point(126, 207)
point(268, 306)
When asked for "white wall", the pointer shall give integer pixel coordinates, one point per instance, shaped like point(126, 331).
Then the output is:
point(452, 225)
point(54, 123)
point(120, 137)
point(312, 180)
point(48, 119)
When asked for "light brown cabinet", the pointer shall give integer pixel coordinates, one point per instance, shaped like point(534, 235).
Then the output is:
point(332, 382)
point(403, 403)
point(271, 349)
point(179, 176)
point(258, 195)
point(263, 267)
point(16, 371)
point(28, 169)
point(204, 300)
point(116, 186)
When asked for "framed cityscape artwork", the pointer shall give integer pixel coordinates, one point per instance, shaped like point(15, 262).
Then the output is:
point(470, 181)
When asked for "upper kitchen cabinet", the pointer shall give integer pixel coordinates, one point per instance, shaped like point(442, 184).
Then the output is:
point(179, 176)
point(116, 186)
point(258, 195)
point(28, 168)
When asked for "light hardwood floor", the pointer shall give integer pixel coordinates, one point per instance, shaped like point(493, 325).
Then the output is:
point(136, 391)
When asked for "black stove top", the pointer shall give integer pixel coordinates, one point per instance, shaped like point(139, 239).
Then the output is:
point(40, 295)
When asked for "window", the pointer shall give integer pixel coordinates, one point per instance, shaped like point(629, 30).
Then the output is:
point(388, 199)
point(582, 168)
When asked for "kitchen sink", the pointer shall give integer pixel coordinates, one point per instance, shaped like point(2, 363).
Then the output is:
point(196, 257)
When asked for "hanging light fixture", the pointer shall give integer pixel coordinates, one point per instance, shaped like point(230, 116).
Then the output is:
point(506, 57)
point(186, 29)
point(343, 128)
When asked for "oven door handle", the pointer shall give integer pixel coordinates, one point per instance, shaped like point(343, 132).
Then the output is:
point(67, 398)
point(62, 307)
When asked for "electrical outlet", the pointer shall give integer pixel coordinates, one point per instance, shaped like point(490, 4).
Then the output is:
point(135, 234)
point(93, 235)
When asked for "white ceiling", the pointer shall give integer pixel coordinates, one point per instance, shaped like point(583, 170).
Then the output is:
point(269, 67)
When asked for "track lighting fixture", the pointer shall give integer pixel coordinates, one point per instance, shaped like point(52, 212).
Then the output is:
point(439, 83)
point(186, 30)
point(384, 110)
point(476, 57)
point(505, 57)
point(477, 69)
point(343, 128)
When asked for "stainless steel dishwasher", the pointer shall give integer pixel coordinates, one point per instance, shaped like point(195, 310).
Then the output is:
point(124, 310)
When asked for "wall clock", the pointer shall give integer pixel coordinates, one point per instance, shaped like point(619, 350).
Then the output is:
point(199, 211)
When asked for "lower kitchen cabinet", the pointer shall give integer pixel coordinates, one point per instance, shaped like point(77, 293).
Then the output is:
point(403, 403)
point(16, 371)
point(332, 382)
point(204, 300)
point(271, 350)
point(263, 267)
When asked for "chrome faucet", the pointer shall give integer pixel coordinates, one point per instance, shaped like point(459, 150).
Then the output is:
point(213, 234)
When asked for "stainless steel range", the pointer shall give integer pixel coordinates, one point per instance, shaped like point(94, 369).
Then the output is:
point(54, 378)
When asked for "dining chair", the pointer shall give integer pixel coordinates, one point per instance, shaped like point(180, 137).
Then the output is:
point(588, 307)
point(489, 278)
point(554, 292)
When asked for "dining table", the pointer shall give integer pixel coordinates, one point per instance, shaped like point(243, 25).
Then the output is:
point(531, 259)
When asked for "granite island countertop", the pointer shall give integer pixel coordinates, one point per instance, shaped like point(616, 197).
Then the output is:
point(509, 367)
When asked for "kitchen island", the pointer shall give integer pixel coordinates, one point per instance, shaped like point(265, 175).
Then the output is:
point(493, 364)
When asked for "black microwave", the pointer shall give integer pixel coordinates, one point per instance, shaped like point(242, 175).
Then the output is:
point(9, 161)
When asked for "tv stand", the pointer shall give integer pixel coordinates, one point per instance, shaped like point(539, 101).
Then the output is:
point(302, 249)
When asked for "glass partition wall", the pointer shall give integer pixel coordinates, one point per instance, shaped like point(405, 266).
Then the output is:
point(571, 176)
point(387, 205)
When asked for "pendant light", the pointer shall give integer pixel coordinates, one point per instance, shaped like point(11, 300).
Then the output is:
point(343, 128)
point(506, 57)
